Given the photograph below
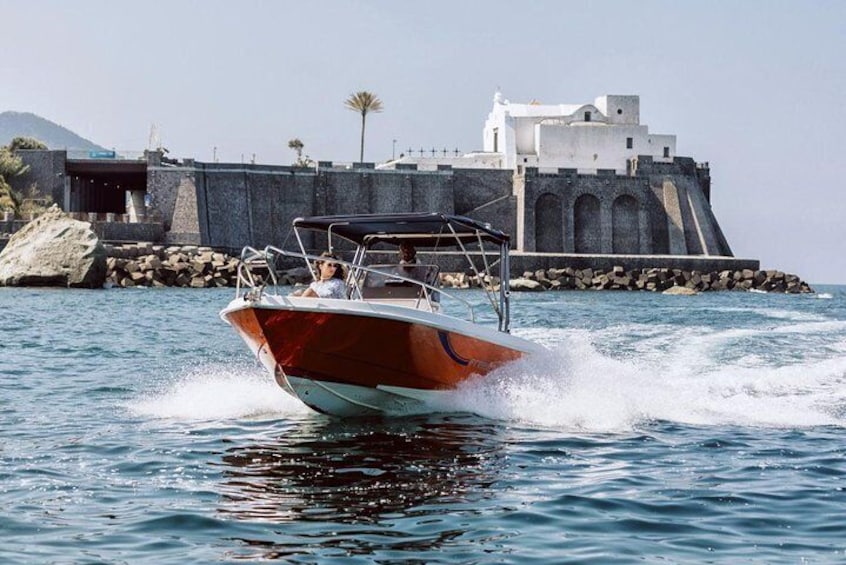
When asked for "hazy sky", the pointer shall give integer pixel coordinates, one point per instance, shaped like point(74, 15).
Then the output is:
point(756, 88)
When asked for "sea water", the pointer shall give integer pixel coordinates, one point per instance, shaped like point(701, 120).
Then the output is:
point(135, 427)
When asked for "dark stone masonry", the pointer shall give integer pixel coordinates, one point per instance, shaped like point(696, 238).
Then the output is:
point(647, 229)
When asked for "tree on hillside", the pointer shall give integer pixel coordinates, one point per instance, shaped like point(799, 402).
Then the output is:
point(26, 143)
point(363, 102)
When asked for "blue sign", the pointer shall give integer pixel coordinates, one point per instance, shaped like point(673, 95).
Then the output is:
point(101, 154)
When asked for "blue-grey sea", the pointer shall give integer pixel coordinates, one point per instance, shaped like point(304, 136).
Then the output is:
point(136, 428)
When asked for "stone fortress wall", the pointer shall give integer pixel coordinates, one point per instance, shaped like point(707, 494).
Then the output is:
point(583, 185)
point(659, 209)
point(656, 215)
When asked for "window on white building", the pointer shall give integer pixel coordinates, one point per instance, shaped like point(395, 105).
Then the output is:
point(496, 140)
point(629, 142)
point(666, 152)
point(587, 116)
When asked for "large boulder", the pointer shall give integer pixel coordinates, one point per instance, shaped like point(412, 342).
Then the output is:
point(54, 250)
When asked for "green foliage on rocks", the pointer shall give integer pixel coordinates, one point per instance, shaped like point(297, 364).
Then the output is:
point(11, 165)
point(7, 200)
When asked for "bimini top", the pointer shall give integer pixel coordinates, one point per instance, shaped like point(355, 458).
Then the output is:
point(426, 228)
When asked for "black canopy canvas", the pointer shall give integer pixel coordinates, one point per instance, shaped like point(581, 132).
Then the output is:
point(423, 229)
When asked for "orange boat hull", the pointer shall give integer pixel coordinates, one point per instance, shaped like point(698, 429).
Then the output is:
point(365, 351)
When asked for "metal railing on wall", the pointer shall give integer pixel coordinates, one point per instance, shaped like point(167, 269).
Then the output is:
point(114, 217)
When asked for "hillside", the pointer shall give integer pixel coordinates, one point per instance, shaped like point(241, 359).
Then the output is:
point(25, 124)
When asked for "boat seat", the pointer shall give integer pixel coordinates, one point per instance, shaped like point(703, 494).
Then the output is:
point(384, 284)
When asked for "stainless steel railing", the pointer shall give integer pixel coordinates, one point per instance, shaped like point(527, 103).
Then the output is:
point(253, 259)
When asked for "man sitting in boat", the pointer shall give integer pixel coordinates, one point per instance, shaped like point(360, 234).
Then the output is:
point(330, 283)
point(408, 266)
point(391, 281)
point(407, 254)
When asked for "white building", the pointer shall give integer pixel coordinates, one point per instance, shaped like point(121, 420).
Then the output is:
point(586, 137)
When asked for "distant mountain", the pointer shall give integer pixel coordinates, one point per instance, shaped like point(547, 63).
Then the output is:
point(54, 136)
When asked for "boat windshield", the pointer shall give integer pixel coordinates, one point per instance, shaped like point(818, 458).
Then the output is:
point(369, 247)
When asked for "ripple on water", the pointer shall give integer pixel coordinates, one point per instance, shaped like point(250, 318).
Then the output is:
point(651, 431)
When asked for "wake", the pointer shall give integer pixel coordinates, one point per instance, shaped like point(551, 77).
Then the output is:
point(577, 386)
point(788, 373)
point(215, 392)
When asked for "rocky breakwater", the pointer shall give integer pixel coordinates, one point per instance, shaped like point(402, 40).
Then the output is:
point(54, 250)
point(145, 264)
point(654, 280)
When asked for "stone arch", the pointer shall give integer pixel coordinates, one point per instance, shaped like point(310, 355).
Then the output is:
point(625, 225)
point(549, 228)
point(587, 224)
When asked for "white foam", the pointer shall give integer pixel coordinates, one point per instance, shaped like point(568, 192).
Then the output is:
point(218, 391)
point(577, 387)
point(774, 313)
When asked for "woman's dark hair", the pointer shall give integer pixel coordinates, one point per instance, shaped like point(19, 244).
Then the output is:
point(340, 272)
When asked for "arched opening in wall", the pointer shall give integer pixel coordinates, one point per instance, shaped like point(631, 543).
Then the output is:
point(625, 226)
point(587, 228)
point(549, 230)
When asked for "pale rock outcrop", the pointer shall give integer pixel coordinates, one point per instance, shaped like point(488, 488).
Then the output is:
point(680, 291)
point(525, 284)
point(54, 250)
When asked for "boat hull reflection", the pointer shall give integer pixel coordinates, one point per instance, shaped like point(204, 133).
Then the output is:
point(333, 482)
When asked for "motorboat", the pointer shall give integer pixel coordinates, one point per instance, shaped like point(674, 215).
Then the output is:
point(397, 342)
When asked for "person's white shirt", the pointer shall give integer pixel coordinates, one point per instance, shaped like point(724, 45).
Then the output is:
point(331, 288)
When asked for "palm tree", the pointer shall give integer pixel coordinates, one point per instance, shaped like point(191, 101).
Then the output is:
point(363, 102)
